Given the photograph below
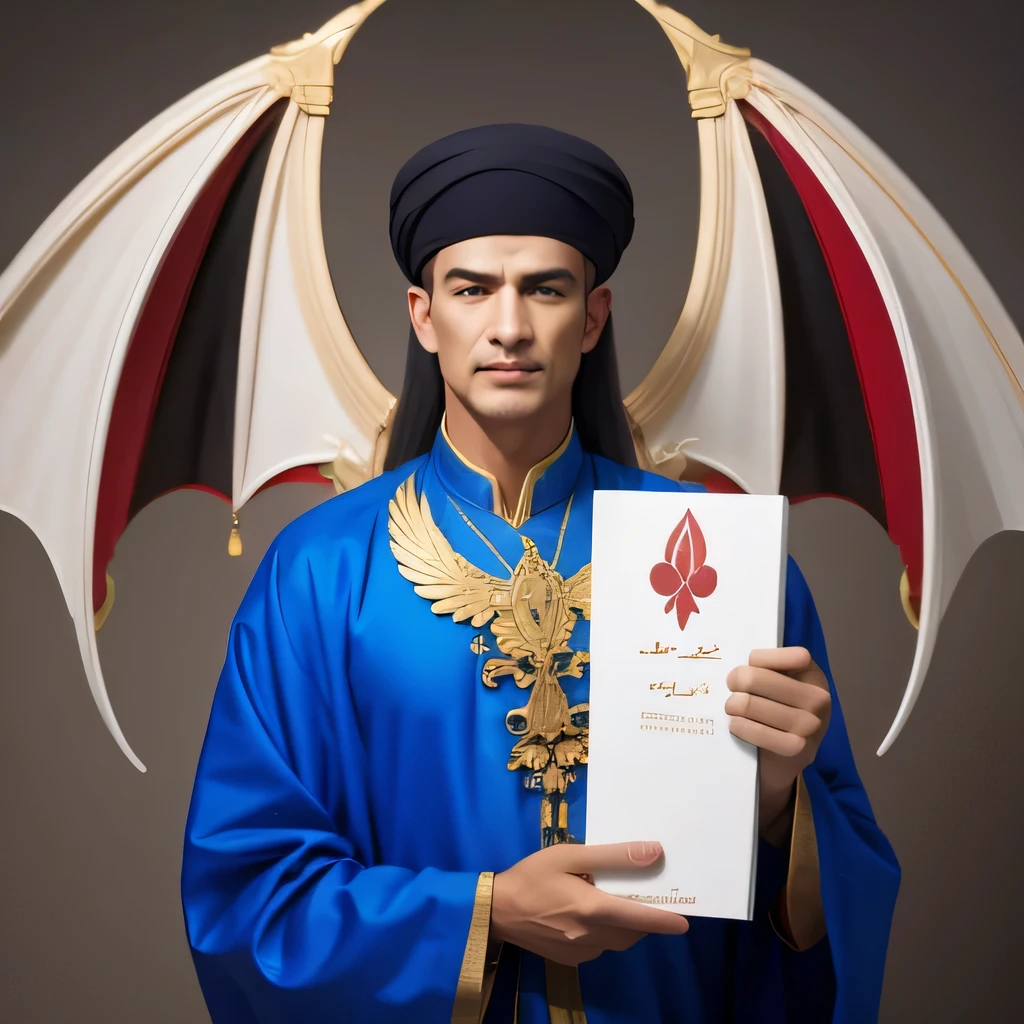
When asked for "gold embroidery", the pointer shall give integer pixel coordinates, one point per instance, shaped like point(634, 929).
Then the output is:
point(534, 612)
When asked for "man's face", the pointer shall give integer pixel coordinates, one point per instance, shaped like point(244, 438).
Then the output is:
point(509, 317)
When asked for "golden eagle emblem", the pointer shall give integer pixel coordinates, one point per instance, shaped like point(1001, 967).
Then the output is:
point(533, 612)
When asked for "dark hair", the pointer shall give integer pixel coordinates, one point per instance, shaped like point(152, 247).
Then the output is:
point(597, 409)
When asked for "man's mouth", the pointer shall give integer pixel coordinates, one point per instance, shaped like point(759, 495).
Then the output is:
point(509, 372)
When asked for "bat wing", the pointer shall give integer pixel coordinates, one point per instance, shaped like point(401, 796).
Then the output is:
point(862, 352)
point(173, 324)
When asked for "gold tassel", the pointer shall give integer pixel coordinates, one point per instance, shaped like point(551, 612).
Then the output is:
point(912, 613)
point(235, 540)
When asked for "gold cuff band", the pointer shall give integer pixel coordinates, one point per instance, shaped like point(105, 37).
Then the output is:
point(470, 1001)
point(799, 915)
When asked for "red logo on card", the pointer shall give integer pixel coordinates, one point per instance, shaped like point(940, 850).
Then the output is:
point(684, 575)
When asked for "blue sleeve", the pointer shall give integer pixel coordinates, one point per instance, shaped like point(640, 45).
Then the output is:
point(287, 914)
point(839, 980)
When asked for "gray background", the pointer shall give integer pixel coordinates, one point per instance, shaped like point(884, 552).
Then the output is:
point(90, 924)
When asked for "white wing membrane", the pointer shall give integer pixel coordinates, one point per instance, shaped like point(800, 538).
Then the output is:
point(964, 386)
point(931, 585)
point(905, 193)
point(735, 407)
point(64, 331)
point(289, 410)
point(127, 164)
point(975, 420)
point(71, 300)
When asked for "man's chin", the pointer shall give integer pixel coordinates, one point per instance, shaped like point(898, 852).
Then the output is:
point(508, 407)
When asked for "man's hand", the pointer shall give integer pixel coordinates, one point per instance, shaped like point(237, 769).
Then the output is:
point(543, 905)
point(782, 704)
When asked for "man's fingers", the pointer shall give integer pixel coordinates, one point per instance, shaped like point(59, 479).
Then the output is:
point(772, 713)
point(580, 859)
point(618, 912)
point(607, 937)
point(781, 659)
point(774, 740)
point(782, 689)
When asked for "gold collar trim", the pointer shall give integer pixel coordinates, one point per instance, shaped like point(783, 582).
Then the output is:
point(525, 504)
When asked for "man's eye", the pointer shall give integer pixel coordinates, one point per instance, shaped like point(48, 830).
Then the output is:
point(473, 289)
point(542, 290)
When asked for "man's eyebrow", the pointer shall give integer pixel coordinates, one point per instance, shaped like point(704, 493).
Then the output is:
point(528, 281)
point(554, 274)
point(459, 273)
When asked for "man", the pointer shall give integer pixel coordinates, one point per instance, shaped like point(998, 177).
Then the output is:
point(379, 831)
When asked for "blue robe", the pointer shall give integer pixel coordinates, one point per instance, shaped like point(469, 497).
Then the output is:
point(353, 784)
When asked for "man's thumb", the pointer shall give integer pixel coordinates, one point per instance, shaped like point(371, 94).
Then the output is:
point(578, 858)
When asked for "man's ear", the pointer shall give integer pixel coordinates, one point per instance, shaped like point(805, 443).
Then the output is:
point(419, 317)
point(599, 306)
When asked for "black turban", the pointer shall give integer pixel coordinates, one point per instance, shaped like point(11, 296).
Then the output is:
point(510, 179)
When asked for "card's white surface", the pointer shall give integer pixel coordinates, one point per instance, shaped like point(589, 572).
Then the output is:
point(662, 762)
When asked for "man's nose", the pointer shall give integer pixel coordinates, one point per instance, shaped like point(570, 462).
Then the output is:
point(511, 320)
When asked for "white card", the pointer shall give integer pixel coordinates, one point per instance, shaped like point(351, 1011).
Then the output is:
point(684, 586)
